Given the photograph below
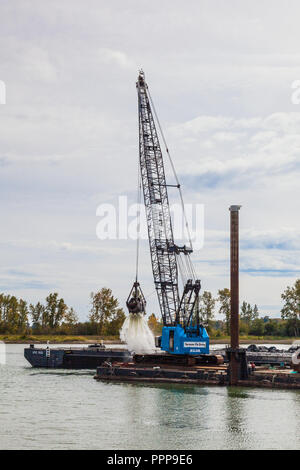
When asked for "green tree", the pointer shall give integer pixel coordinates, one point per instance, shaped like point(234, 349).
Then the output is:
point(248, 314)
point(12, 314)
point(257, 327)
point(37, 313)
point(115, 323)
point(103, 307)
point(55, 311)
point(154, 324)
point(270, 328)
point(23, 315)
point(255, 313)
point(69, 323)
point(291, 308)
point(3, 309)
point(207, 308)
point(70, 317)
point(224, 300)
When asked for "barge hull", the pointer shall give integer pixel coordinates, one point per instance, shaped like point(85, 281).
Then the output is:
point(63, 358)
point(198, 375)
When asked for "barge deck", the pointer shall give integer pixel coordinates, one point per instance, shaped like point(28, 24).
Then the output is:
point(196, 375)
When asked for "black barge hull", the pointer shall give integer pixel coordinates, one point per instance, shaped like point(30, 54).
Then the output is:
point(68, 358)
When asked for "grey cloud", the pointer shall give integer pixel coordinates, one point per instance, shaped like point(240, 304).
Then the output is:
point(220, 75)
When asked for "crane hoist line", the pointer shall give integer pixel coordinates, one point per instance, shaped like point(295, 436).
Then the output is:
point(182, 331)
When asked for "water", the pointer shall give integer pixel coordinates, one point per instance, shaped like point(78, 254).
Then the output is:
point(57, 409)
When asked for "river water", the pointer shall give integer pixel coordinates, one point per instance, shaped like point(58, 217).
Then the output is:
point(58, 409)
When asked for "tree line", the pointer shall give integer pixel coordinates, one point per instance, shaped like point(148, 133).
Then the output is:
point(106, 317)
point(55, 317)
point(250, 321)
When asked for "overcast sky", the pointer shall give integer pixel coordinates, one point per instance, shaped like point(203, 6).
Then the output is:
point(220, 74)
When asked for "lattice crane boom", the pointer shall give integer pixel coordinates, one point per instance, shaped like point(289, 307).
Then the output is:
point(175, 310)
point(160, 232)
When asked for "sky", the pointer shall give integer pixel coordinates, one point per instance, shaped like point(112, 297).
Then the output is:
point(223, 78)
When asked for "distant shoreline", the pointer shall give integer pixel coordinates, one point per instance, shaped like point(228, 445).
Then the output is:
point(16, 339)
point(57, 339)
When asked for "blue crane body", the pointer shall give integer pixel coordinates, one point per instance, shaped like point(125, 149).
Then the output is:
point(177, 340)
point(182, 333)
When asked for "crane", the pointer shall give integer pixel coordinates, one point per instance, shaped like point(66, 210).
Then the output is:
point(182, 332)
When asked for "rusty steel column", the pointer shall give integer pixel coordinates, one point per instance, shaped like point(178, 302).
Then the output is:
point(234, 293)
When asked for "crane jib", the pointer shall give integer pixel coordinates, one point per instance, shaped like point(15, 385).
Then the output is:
point(160, 232)
point(181, 331)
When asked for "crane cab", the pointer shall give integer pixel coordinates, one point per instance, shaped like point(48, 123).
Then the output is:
point(190, 340)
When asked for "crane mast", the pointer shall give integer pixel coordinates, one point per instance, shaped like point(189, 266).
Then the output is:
point(182, 332)
point(160, 232)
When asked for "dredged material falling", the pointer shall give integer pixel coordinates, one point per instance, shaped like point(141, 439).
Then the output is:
point(136, 333)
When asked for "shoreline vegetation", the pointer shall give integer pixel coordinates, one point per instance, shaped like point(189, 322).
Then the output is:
point(54, 321)
point(66, 339)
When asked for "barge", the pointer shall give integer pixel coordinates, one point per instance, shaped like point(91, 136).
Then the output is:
point(218, 375)
point(195, 371)
point(89, 357)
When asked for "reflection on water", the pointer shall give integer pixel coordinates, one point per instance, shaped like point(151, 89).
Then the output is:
point(65, 409)
point(236, 432)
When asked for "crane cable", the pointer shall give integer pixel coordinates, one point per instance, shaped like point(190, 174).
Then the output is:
point(188, 262)
point(138, 227)
point(191, 267)
point(182, 269)
point(173, 169)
